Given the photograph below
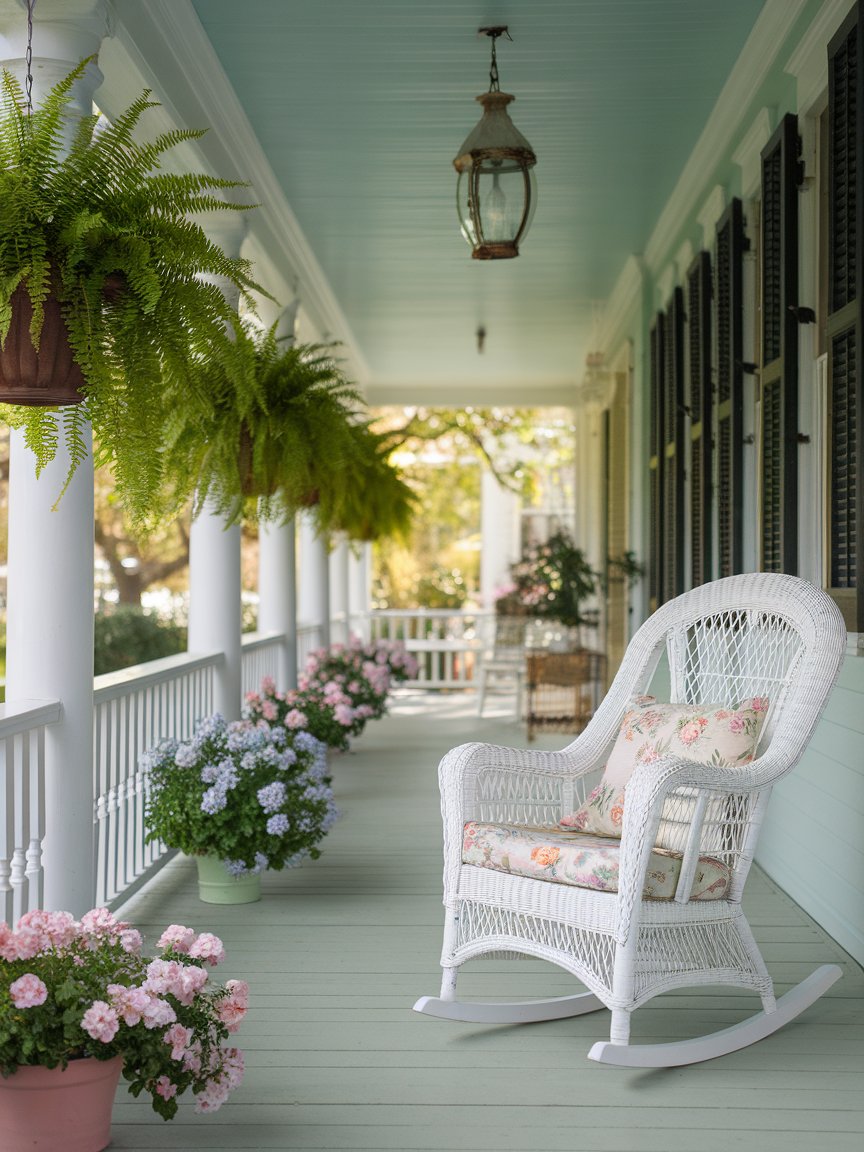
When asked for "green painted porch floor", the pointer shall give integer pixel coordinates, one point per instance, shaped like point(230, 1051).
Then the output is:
point(337, 952)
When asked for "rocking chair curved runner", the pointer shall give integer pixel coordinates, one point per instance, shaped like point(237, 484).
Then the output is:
point(768, 638)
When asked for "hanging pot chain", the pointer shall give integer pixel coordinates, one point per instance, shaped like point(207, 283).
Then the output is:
point(28, 84)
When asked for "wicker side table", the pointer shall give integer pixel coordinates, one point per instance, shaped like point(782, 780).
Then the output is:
point(564, 689)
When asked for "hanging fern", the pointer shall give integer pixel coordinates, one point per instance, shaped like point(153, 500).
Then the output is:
point(371, 500)
point(280, 431)
point(75, 217)
point(273, 424)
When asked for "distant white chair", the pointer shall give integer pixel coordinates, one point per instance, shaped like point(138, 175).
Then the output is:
point(504, 664)
point(659, 908)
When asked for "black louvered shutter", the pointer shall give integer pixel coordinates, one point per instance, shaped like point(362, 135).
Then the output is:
point(779, 372)
point(699, 339)
point(655, 465)
point(673, 448)
point(731, 245)
point(845, 307)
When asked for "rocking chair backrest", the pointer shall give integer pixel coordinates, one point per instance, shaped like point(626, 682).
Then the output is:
point(758, 634)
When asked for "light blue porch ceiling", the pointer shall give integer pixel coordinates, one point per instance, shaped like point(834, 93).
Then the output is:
point(360, 106)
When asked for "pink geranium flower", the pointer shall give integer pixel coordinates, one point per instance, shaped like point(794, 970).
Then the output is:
point(165, 1088)
point(179, 1039)
point(178, 937)
point(101, 1022)
point(208, 948)
point(28, 991)
point(130, 1004)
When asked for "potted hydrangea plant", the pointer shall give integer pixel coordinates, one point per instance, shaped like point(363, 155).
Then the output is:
point(239, 797)
point(80, 1003)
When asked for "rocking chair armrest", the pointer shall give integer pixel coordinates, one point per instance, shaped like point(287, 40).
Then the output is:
point(458, 775)
point(646, 793)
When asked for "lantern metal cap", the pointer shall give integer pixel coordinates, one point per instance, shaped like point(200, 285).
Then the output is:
point(495, 136)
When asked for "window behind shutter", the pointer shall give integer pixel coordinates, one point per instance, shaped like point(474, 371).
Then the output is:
point(779, 371)
point(673, 448)
point(731, 244)
point(655, 465)
point(845, 308)
point(699, 338)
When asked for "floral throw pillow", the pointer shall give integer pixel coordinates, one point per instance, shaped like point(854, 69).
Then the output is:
point(703, 733)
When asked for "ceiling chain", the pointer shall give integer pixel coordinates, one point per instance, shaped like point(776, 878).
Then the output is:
point(493, 33)
point(28, 88)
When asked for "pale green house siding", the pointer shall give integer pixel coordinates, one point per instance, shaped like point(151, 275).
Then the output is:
point(812, 845)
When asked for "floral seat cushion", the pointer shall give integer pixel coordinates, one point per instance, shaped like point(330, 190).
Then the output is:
point(582, 860)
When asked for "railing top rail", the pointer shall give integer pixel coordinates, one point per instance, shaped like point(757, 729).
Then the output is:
point(435, 612)
point(22, 715)
point(114, 684)
point(252, 640)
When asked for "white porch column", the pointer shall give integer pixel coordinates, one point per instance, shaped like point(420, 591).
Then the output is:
point(499, 534)
point(277, 563)
point(277, 594)
point(340, 587)
point(314, 590)
point(215, 623)
point(359, 588)
point(49, 651)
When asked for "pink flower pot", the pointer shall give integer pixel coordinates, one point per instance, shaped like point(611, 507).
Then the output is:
point(48, 1109)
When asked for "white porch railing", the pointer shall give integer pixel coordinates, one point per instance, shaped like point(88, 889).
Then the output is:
point(134, 709)
point(22, 786)
point(308, 639)
point(260, 658)
point(138, 706)
point(446, 644)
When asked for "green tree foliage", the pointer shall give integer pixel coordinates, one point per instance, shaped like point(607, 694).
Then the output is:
point(127, 635)
point(442, 453)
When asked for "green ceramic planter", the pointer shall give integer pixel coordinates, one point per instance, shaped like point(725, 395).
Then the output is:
point(217, 886)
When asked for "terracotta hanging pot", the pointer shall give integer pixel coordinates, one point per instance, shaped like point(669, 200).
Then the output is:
point(44, 378)
point(49, 1109)
point(250, 485)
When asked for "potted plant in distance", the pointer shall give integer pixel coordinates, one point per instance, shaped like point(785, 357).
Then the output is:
point(102, 266)
point(553, 580)
point(239, 797)
point(79, 1003)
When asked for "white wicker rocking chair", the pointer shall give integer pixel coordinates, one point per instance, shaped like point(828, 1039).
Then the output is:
point(762, 634)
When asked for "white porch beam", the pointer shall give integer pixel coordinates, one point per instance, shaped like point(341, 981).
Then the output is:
point(215, 623)
point(49, 647)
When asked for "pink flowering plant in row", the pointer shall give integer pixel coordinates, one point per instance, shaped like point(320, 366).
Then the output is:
point(82, 988)
point(253, 794)
point(339, 690)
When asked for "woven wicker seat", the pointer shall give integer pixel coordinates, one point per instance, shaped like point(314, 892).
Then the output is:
point(758, 635)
